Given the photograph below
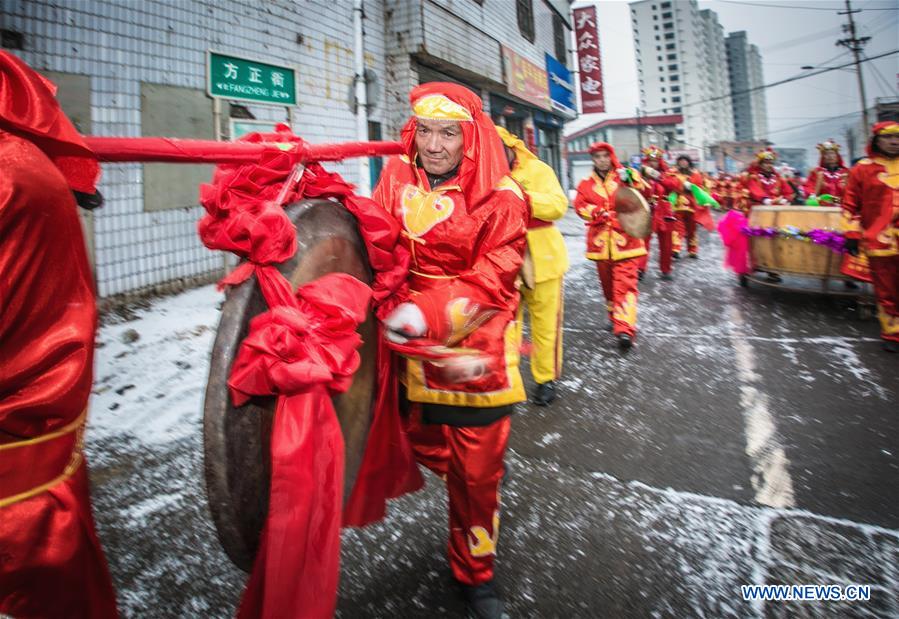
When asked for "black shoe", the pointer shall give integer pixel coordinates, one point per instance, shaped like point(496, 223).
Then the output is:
point(676, 255)
point(544, 393)
point(640, 275)
point(694, 255)
point(890, 346)
point(483, 601)
point(667, 277)
point(774, 278)
point(625, 341)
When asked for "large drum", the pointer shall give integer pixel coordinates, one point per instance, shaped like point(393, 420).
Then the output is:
point(237, 440)
point(791, 256)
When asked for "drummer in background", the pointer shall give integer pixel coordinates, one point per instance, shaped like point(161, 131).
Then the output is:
point(871, 223)
point(764, 184)
point(829, 178)
point(546, 263)
point(680, 180)
point(654, 167)
point(617, 254)
point(51, 563)
point(464, 221)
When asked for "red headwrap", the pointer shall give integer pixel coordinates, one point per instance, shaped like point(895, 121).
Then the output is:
point(656, 153)
point(28, 108)
point(887, 127)
point(484, 160)
point(598, 146)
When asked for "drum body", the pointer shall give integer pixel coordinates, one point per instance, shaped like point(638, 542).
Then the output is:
point(793, 256)
point(237, 439)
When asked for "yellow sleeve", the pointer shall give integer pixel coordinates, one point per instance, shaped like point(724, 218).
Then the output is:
point(548, 201)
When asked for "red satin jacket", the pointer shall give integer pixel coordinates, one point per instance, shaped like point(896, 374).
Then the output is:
point(465, 258)
point(763, 187)
point(606, 239)
point(871, 205)
point(822, 181)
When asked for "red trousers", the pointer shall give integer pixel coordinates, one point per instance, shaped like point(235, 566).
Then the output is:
point(51, 564)
point(885, 276)
point(688, 223)
point(470, 459)
point(619, 285)
point(665, 245)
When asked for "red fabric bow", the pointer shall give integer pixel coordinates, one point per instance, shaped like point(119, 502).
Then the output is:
point(304, 353)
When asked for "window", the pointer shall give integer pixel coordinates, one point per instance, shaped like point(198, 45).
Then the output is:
point(663, 89)
point(664, 100)
point(559, 40)
point(658, 48)
point(675, 78)
point(660, 69)
point(655, 17)
point(660, 59)
point(667, 15)
point(672, 67)
point(656, 27)
point(672, 56)
point(675, 99)
point(525, 9)
point(657, 37)
point(675, 89)
point(668, 36)
point(669, 46)
point(668, 25)
point(666, 5)
point(677, 110)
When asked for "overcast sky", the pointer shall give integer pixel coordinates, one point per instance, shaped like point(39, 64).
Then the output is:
point(788, 38)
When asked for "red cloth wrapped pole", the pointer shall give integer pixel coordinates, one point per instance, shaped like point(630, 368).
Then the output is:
point(173, 150)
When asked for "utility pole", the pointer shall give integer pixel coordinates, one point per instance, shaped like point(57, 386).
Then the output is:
point(856, 45)
point(639, 132)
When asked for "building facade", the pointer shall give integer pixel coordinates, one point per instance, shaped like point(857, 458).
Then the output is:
point(680, 55)
point(140, 69)
point(627, 135)
point(746, 83)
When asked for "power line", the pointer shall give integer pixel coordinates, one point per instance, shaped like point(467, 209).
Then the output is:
point(804, 8)
point(880, 78)
point(778, 83)
point(814, 122)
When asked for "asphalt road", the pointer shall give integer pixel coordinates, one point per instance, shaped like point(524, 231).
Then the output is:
point(750, 437)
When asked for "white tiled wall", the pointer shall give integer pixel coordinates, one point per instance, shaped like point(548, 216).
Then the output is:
point(120, 43)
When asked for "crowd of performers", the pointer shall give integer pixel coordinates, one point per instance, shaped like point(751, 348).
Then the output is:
point(474, 210)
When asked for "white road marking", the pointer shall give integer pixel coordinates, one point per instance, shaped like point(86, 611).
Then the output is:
point(771, 477)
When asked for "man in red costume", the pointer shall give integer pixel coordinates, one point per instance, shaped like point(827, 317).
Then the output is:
point(464, 221)
point(680, 180)
point(654, 167)
point(764, 185)
point(616, 253)
point(871, 223)
point(51, 564)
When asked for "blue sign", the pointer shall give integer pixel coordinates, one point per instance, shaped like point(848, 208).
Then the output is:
point(561, 87)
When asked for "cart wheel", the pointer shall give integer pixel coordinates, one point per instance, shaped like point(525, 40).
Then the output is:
point(744, 281)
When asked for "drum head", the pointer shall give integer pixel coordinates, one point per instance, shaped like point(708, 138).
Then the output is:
point(237, 440)
point(633, 212)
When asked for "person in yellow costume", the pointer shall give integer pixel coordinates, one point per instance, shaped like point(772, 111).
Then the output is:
point(546, 262)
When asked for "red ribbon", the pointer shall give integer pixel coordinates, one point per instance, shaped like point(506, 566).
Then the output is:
point(303, 350)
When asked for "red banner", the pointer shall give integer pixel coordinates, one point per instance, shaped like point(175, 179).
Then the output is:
point(588, 57)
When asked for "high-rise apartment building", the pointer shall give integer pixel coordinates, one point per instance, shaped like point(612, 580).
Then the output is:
point(750, 109)
point(681, 65)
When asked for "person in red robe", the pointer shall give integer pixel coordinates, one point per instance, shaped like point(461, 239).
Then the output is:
point(764, 184)
point(680, 180)
point(51, 563)
point(464, 222)
point(617, 254)
point(654, 168)
point(829, 177)
point(871, 223)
